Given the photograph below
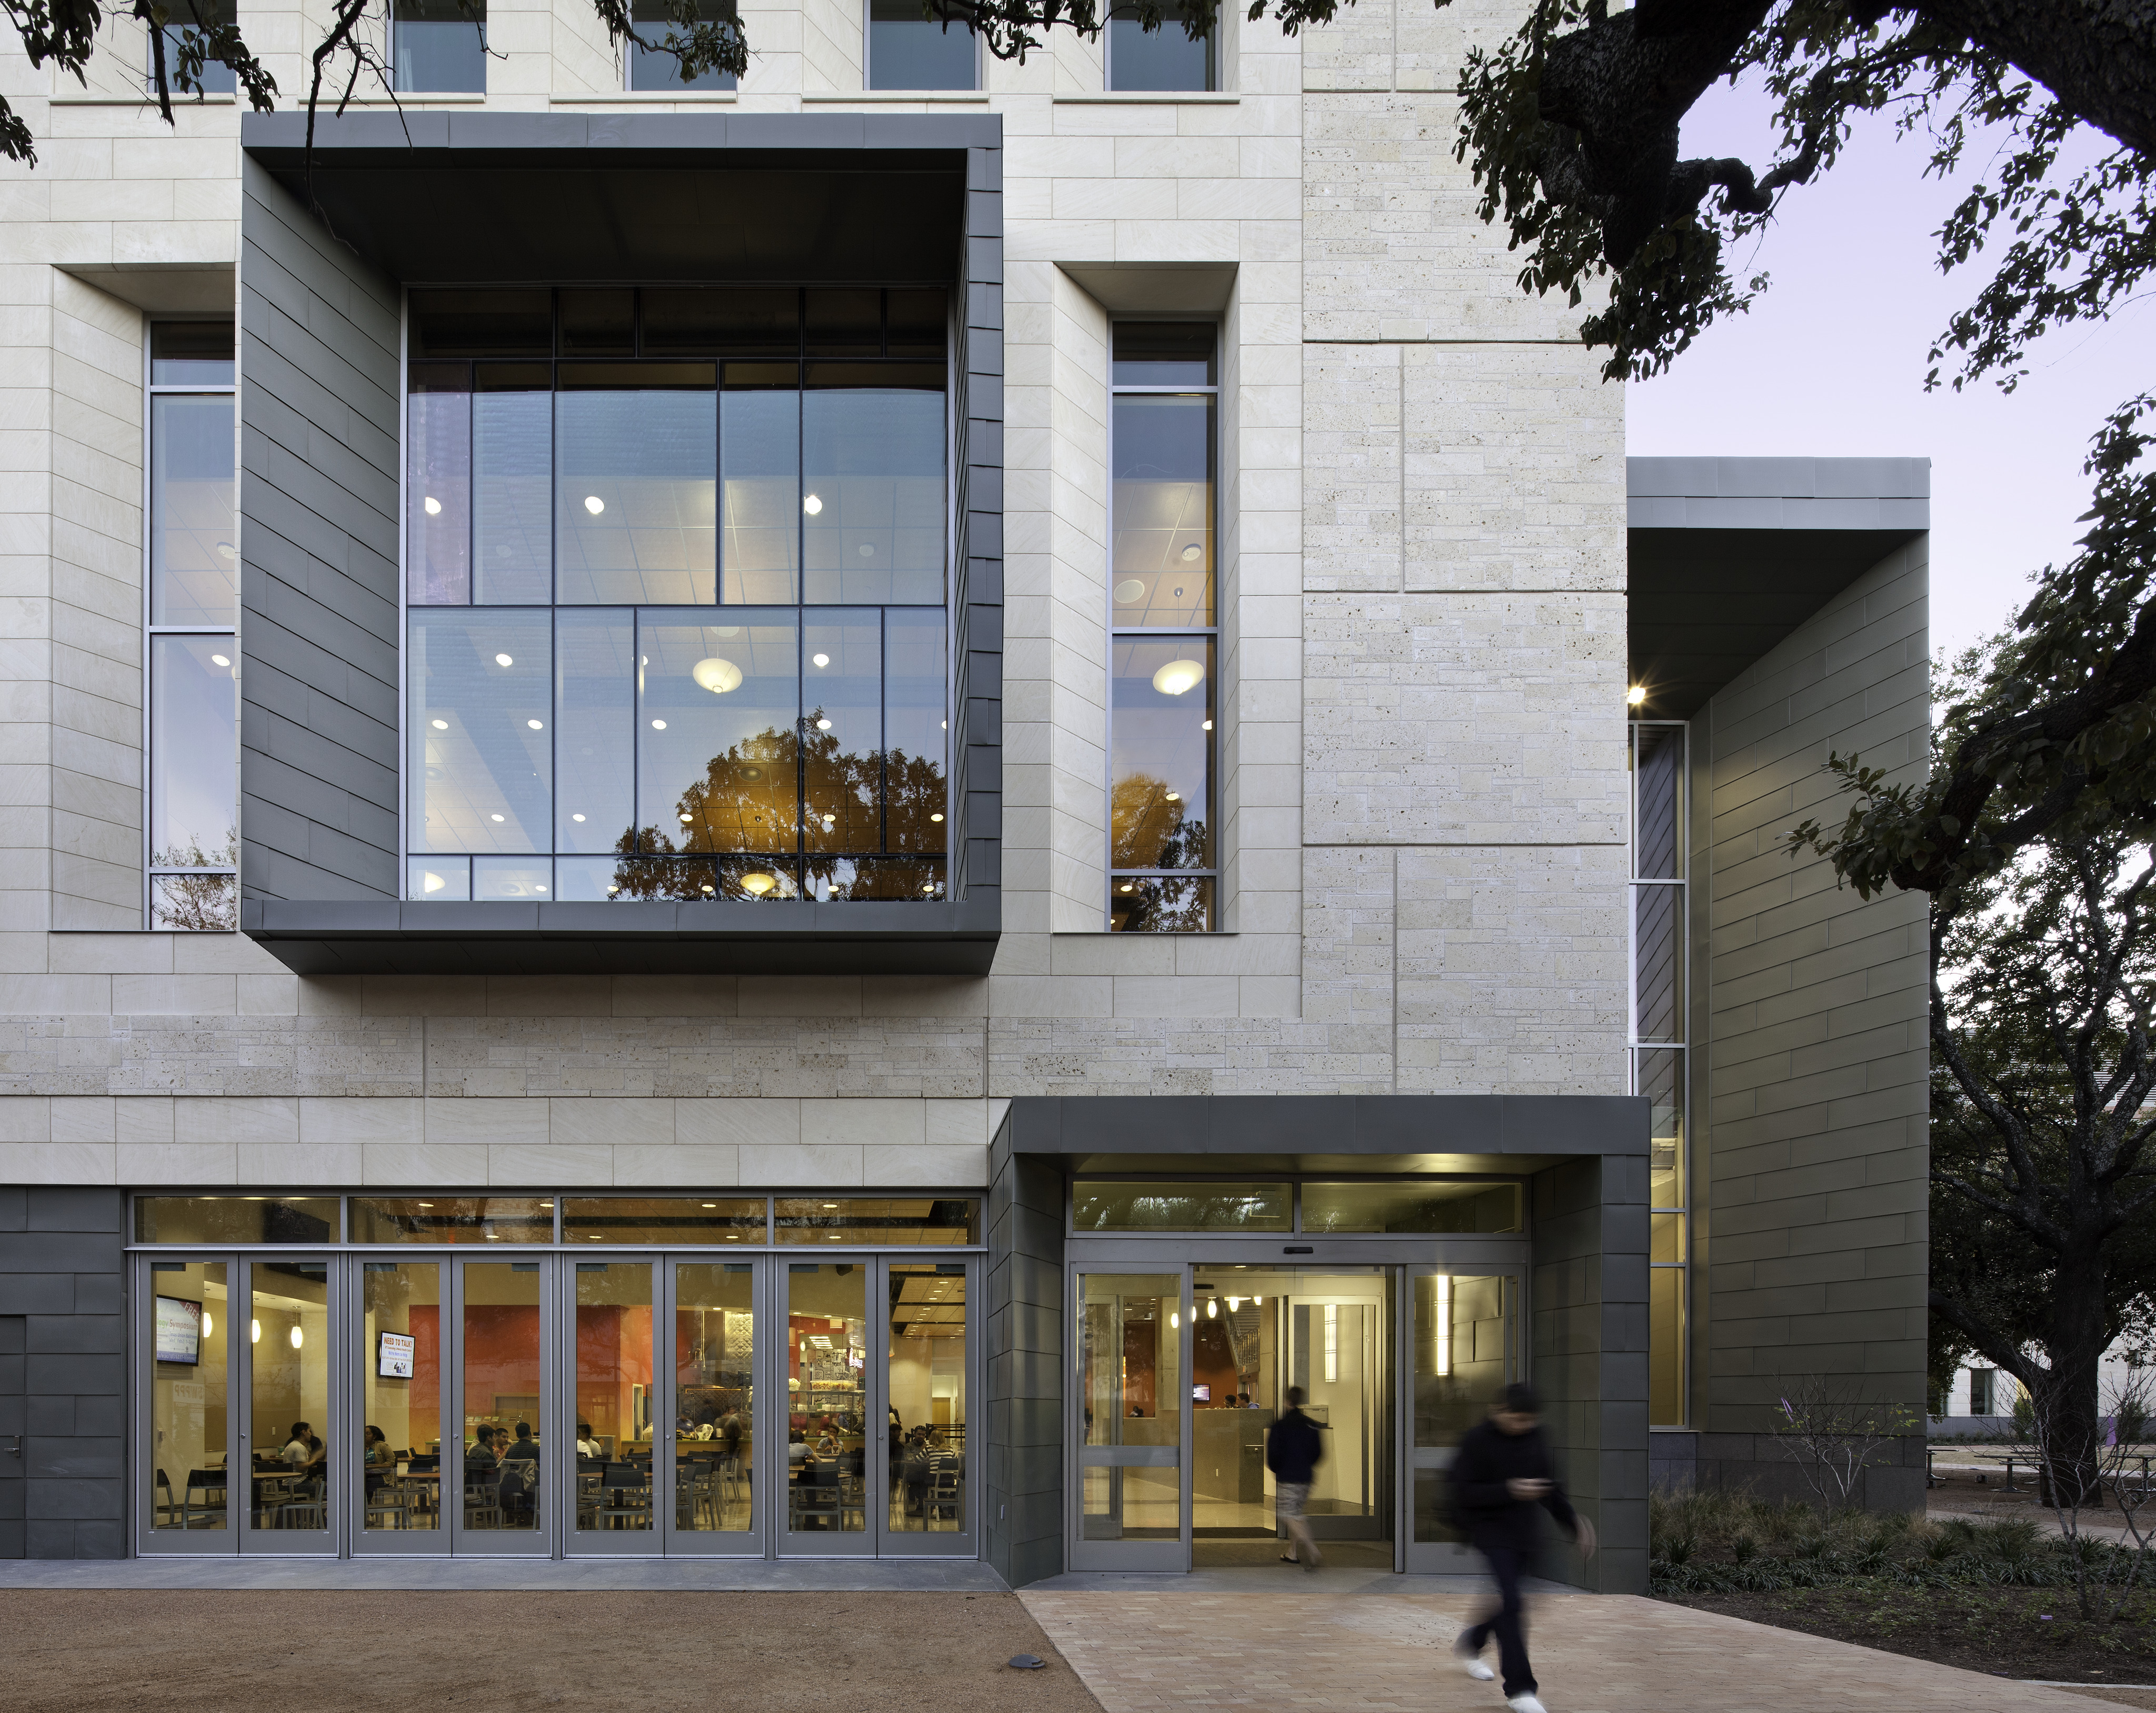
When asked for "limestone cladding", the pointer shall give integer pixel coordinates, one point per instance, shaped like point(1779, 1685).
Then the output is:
point(1421, 762)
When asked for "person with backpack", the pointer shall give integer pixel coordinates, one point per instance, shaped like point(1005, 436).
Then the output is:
point(1293, 1452)
point(1501, 1476)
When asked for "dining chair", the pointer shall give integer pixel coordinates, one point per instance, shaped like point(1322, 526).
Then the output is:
point(211, 1485)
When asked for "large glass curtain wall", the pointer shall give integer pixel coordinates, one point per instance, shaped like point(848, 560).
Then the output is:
point(192, 604)
point(1163, 856)
point(1660, 1034)
point(675, 595)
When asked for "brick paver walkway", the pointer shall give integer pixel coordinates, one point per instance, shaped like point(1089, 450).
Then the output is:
point(1390, 1654)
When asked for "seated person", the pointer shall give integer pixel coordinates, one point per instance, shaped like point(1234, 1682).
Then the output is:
point(482, 1462)
point(379, 1464)
point(588, 1444)
point(299, 1447)
point(519, 1469)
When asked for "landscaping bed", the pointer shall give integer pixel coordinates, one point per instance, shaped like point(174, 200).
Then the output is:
point(2000, 1598)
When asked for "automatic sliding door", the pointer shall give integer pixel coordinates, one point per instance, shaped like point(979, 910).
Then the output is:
point(1131, 1398)
point(398, 1358)
point(186, 1398)
point(500, 1473)
point(714, 1508)
point(1464, 1349)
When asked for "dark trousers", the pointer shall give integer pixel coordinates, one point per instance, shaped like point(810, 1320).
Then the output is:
point(1507, 1565)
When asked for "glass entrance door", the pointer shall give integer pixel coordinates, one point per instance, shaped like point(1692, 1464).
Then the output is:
point(1133, 1347)
point(500, 1470)
point(1464, 1349)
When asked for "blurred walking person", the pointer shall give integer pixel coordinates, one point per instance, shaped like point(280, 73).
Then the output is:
point(1293, 1452)
point(1501, 1476)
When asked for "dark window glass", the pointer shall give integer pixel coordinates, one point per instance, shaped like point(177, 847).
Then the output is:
point(194, 741)
point(846, 322)
point(440, 47)
point(512, 551)
point(598, 323)
point(1658, 963)
point(636, 1219)
point(635, 485)
point(828, 1219)
point(872, 486)
point(480, 753)
point(452, 1219)
point(191, 354)
point(760, 444)
point(835, 880)
point(1164, 58)
point(216, 77)
point(657, 70)
point(718, 766)
point(1163, 354)
point(438, 485)
point(1160, 794)
point(917, 327)
point(1097, 1207)
point(194, 535)
point(694, 322)
point(497, 322)
point(236, 1219)
point(1411, 1207)
point(841, 731)
point(595, 730)
point(910, 50)
point(1657, 801)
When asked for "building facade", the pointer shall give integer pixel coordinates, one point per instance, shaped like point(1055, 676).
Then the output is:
point(961, 729)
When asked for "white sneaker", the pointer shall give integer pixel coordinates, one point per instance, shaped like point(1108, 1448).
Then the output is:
point(1479, 1669)
point(1524, 1704)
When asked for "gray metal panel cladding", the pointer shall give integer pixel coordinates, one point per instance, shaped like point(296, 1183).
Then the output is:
point(318, 485)
point(320, 398)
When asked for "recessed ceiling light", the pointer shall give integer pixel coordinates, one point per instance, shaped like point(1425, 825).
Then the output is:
point(823, 725)
point(611, 891)
point(659, 725)
point(707, 892)
point(1209, 725)
point(821, 660)
point(497, 817)
point(536, 725)
point(1131, 589)
point(935, 817)
point(757, 884)
point(1125, 887)
point(503, 660)
point(441, 725)
point(426, 1204)
point(830, 1207)
point(836, 1238)
point(433, 883)
point(576, 817)
point(811, 504)
point(1175, 796)
point(867, 552)
point(685, 820)
point(593, 504)
point(219, 659)
point(1189, 553)
point(733, 1237)
point(716, 675)
point(711, 1204)
point(1178, 677)
point(434, 506)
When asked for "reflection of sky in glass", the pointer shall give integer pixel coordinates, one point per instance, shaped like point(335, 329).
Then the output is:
point(595, 730)
point(1160, 795)
point(438, 49)
point(874, 459)
point(513, 457)
point(907, 51)
point(1163, 511)
point(1165, 60)
point(842, 736)
point(438, 505)
point(761, 443)
point(913, 728)
point(726, 761)
point(194, 711)
point(480, 760)
point(194, 540)
point(635, 497)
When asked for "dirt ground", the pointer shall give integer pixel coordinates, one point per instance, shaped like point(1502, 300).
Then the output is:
point(83, 1651)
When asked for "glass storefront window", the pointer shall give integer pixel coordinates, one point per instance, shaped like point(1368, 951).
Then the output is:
point(1407, 1207)
point(1102, 1206)
point(615, 1395)
point(635, 1219)
point(872, 483)
point(827, 1429)
point(190, 1438)
point(714, 1394)
point(910, 1221)
point(503, 1425)
point(481, 759)
point(452, 1219)
point(288, 1413)
point(927, 1371)
point(636, 485)
point(236, 1219)
point(400, 1358)
point(1130, 1380)
point(1465, 1353)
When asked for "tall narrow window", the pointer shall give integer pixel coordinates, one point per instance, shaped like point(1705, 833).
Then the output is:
point(1163, 58)
point(908, 49)
point(650, 69)
point(1163, 865)
point(192, 607)
point(1659, 1034)
point(439, 47)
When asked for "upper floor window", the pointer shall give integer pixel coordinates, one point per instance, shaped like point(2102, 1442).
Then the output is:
point(909, 49)
point(1163, 58)
point(217, 77)
point(676, 577)
point(191, 586)
point(1162, 630)
point(654, 21)
point(439, 47)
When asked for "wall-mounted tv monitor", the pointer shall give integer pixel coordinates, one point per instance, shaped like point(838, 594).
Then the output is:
point(395, 1359)
point(1201, 1394)
point(178, 1333)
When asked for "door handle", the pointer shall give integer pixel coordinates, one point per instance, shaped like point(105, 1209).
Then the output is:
point(14, 1445)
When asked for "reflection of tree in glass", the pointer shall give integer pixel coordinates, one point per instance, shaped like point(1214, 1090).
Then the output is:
point(1159, 905)
point(203, 903)
point(1153, 829)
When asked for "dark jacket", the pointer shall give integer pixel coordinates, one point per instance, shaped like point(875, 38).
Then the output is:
point(1487, 1458)
point(1293, 1450)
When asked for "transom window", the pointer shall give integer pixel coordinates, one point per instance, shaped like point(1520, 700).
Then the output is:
point(675, 585)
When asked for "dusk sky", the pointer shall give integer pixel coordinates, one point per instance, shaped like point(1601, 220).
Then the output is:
point(1831, 361)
